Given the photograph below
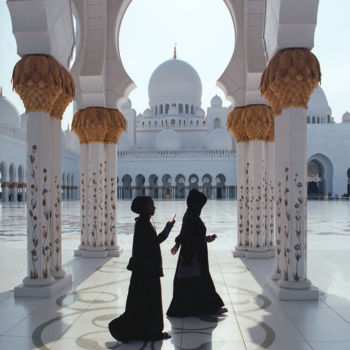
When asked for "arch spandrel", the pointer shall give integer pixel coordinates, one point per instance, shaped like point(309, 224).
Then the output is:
point(48, 18)
point(98, 70)
point(289, 24)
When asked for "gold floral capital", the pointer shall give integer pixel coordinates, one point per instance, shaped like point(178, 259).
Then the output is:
point(98, 125)
point(43, 85)
point(235, 124)
point(290, 78)
point(251, 123)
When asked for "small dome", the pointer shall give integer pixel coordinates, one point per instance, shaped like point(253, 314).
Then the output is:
point(346, 117)
point(172, 111)
point(168, 140)
point(200, 113)
point(219, 140)
point(216, 101)
point(126, 104)
point(9, 116)
point(174, 79)
point(147, 113)
point(318, 104)
point(123, 143)
point(71, 141)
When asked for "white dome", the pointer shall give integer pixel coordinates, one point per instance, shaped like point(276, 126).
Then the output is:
point(219, 140)
point(346, 117)
point(216, 101)
point(174, 79)
point(172, 111)
point(123, 143)
point(147, 113)
point(9, 116)
point(168, 140)
point(318, 104)
point(200, 113)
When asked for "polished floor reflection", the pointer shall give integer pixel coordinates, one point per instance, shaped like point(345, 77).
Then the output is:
point(256, 320)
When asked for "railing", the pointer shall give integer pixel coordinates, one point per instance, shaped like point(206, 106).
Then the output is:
point(176, 155)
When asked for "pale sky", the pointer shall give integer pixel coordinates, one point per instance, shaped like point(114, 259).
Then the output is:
point(204, 36)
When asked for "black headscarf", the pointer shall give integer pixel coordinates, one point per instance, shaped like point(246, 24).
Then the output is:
point(139, 204)
point(196, 201)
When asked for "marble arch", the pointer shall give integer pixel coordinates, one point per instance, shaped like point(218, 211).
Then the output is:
point(326, 167)
point(263, 28)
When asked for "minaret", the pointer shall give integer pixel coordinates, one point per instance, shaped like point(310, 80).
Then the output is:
point(175, 56)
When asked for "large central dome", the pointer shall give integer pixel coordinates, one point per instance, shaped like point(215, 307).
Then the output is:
point(175, 80)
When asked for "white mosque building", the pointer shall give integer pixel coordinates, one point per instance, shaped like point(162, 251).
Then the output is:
point(175, 145)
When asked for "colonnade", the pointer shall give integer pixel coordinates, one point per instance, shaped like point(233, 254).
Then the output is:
point(272, 176)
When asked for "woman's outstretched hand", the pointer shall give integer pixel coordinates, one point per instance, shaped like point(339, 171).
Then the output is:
point(171, 223)
point(212, 238)
point(174, 250)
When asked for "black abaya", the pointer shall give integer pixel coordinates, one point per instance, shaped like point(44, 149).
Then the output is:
point(143, 316)
point(194, 296)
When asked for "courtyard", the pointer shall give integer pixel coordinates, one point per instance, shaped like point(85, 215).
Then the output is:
point(78, 318)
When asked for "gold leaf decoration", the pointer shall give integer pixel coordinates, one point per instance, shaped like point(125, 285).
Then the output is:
point(40, 80)
point(252, 123)
point(98, 125)
point(290, 78)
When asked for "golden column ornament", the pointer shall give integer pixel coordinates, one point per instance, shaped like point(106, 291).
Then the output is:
point(290, 78)
point(46, 89)
point(98, 129)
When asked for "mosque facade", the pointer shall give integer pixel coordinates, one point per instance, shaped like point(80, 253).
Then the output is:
point(174, 145)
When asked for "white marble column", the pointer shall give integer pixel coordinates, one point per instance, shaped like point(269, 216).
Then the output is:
point(40, 282)
point(13, 191)
point(242, 199)
point(5, 191)
point(55, 205)
point(96, 194)
point(257, 247)
point(291, 172)
point(111, 177)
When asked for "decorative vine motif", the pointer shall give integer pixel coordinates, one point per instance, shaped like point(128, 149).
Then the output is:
point(34, 188)
point(279, 225)
point(105, 211)
point(271, 200)
point(46, 244)
point(299, 208)
point(251, 214)
point(100, 205)
point(95, 203)
point(240, 215)
point(247, 207)
point(286, 227)
point(266, 206)
point(83, 206)
point(57, 224)
point(112, 212)
point(258, 215)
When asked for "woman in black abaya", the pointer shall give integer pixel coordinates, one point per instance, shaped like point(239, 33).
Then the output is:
point(143, 316)
point(194, 293)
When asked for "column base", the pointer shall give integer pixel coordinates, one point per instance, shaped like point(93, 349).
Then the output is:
point(44, 291)
point(294, 291)
point(256, 253)
point(98, 252)
point(239, 251)
point(276, 276)
point(114, 251)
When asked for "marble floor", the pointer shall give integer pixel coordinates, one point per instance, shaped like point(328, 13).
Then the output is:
point(256, 320)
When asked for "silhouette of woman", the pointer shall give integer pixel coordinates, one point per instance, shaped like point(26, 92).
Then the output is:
point(143, 316)
point(194, 294)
